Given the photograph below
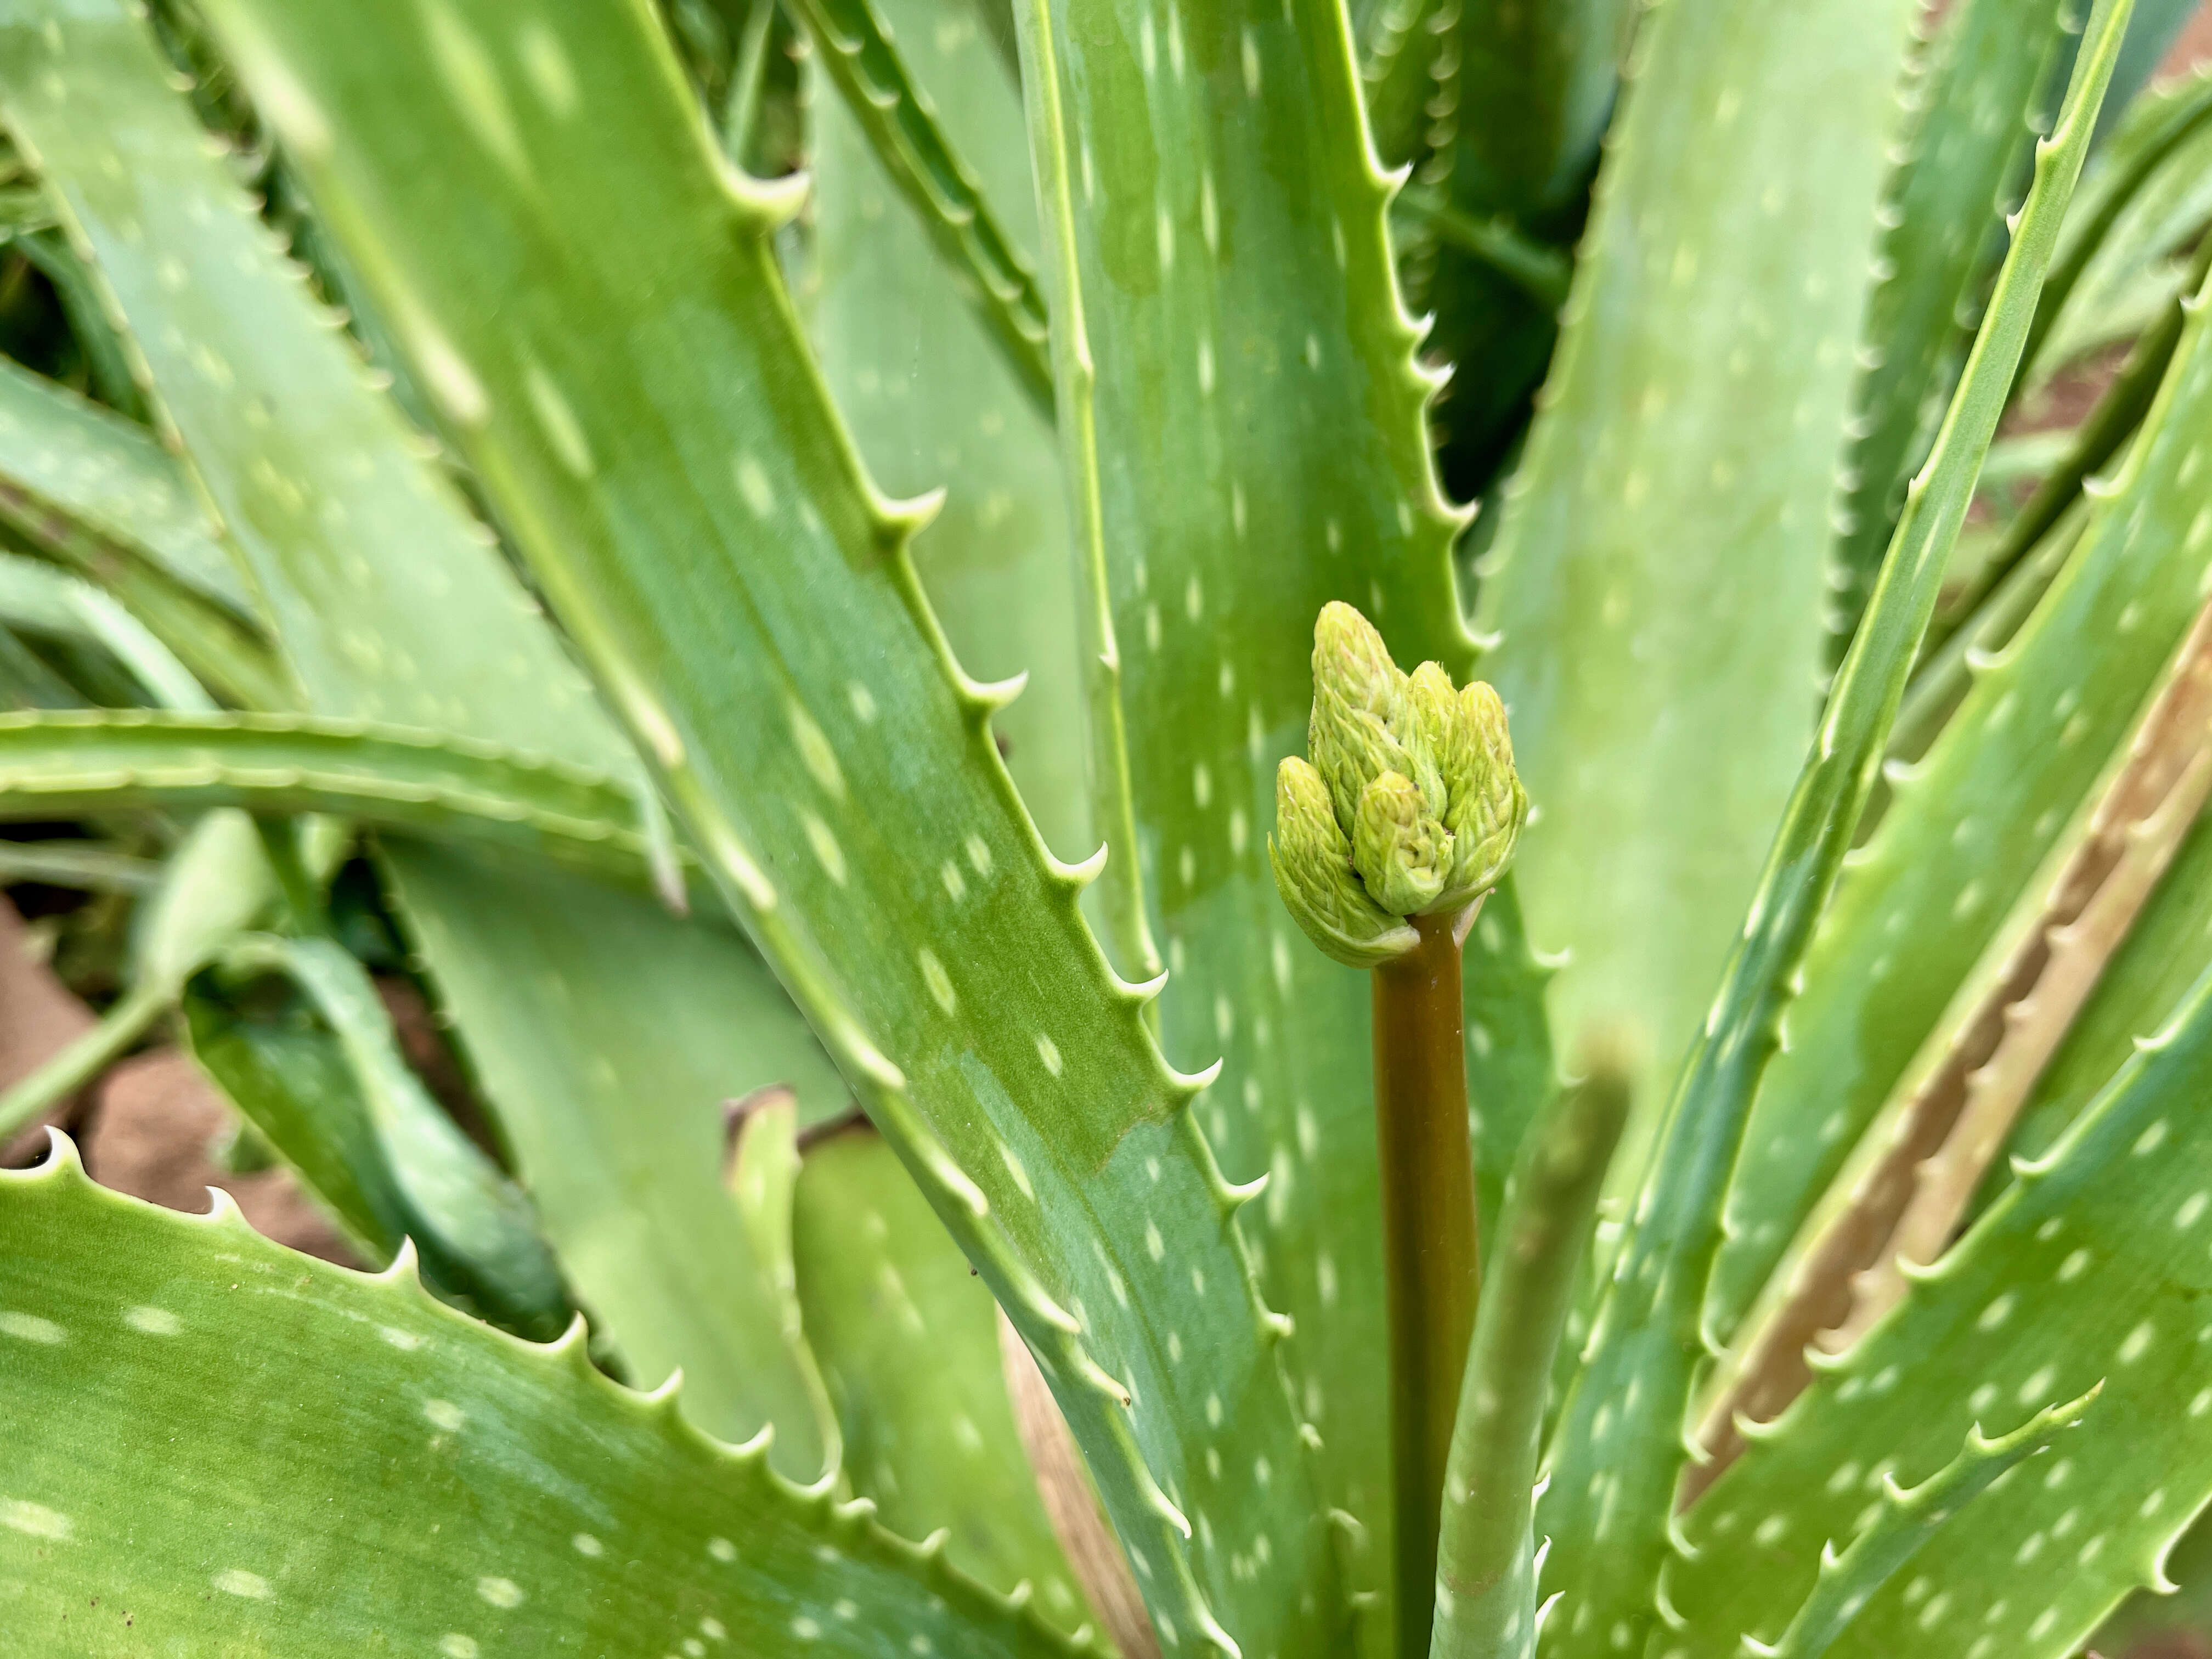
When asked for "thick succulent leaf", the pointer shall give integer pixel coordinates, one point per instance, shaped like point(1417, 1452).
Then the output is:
point(71, 763)
point(1510, 1071)
point(1981, 95)
point(932, 405)
point(865, 65)
point(390, 1475)
point(1486, 1553)
point(35, 598)
point(1904, 1523)
point(2085, 1271)
point(1239, 391)
point(693, 507)
point(1657, 577)
point(389, 602)
point(909, 1341)
point(1970, 824)
point(416, 1175)
point(1507, 101)
point(2124, 255)
point(631, 1198)
point(98, 492)
point(2164, 954)
point(1618, 1451)
point(62, 454)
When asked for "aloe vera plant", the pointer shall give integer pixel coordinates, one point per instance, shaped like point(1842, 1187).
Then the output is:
point(673, 532)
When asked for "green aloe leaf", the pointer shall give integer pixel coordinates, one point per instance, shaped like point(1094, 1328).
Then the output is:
point(416, 1175)
point(1979, 98)
point(1969, 824)
point(2085, 1271)
point(390, 602)
point(35, 598)
point(2131, 239)
point(1618, 1451)
point(2167, 950)
point(1241, 421)
point(857, 51)
point(1658, 578)
point(60, 454)
point(931, 403)
point(520, 1499)
point(1905, 1522)
point(67, 764)
point(645, 462)
point(909, 1341)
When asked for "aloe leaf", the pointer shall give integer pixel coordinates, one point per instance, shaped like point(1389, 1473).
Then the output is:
point(37, 598)
point(390, 601)
point(1485, 1555)
point(647, 460)
point(468, 1220)
point(2173, 122)
point(97, 493)
point(931, 402)
point(83, 865)
point(1512, 1076)
point(112, 476)
point(1975, 108)
point(2081, 1273)
point(2075, 675)
point(2132, 237)
point(763, 1175)
point(525, 1501)
point(2164, 954)
point(1674, 494)
point(632, 1198)
point(214, 885)
point(1512, 99)
point(908, 1338)
point(2116, 418)
point(91, 325)
point(70, 763)
point(856, 49)
point(1618, 1450)
point(1213, 332)
point(1907, 1520)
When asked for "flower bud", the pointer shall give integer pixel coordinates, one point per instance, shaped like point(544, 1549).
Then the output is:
point(1403, 853)
point(1359, 711)
point(1488, 804)
point(1312, 861)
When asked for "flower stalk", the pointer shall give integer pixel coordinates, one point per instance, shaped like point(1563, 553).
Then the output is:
point(1385, 843)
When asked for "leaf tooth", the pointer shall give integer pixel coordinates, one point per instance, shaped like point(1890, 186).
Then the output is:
point(1074, 878)
point(767, 205)
point(1189, 1085)
point(1139, 993)
point(406, 1267)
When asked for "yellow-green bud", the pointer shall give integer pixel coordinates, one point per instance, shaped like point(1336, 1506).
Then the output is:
point(1488, 804)
point(1312, 861)
point(1401, 853)
point(1360, 718)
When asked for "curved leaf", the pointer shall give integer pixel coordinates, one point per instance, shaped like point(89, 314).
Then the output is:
point(444, 1490)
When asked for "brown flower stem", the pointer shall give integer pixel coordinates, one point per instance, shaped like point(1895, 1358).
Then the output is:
point(1428, 1242)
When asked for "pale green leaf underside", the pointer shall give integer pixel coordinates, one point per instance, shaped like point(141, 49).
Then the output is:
point(219, 1447)
point(693, 509)
point(390, 602)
